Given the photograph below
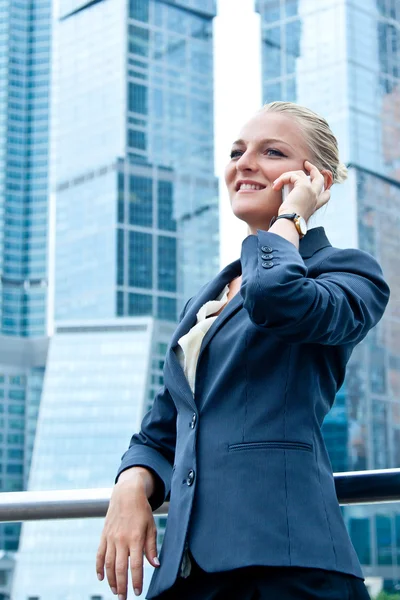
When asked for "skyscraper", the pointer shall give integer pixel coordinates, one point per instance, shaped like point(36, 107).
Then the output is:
point(97, 380)
point(137, 204)
point(137, 222)
point(342, 59)
point(25, 45)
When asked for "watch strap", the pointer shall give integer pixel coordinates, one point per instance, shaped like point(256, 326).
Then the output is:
point(291, 217)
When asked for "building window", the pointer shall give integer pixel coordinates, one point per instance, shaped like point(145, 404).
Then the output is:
point(139, 10)
point(137, 139)
point(162, 348)
point(167, 264)
point(138, 40)
point(166, 309)
point(165, 206)
point(15, 469)
point(137, 98)
point(140, 201)
point(14, 438)
point(120, 256)
point(272, 53)
point(120, 304)
point(121, 181)
point(140, 304)
point(273, 91)
point(11, 545)
point(16, 409)
point(17, 380)
point(359, 530)
point(384, 539)
point(140, 259)
point(16, 394)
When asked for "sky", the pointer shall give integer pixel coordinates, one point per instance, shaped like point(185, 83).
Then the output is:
point(237, 85)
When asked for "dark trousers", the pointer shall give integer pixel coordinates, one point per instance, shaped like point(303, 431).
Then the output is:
point(267, 583)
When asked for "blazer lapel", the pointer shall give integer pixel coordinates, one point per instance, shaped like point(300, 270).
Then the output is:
point(178, 382)
point(230, 309)
point(209, 292)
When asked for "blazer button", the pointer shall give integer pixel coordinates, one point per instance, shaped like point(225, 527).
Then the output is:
point(190, 477)
point(267, 265)
point(193, 421)
point(266, 256)
point(266, 249)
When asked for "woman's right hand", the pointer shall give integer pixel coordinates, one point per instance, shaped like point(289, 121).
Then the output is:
point(129, 530)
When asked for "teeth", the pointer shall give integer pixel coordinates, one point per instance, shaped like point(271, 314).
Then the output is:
point(250, 186)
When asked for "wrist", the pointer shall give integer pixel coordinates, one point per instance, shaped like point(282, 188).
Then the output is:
point(297, 220)
point(139, 478)
point(287, 210)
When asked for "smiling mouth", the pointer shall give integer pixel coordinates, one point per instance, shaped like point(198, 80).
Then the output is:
point(249, 187)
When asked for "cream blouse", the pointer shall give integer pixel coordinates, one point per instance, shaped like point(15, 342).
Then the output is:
point(188, 349)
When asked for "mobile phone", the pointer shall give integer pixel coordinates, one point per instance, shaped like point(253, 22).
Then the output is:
point(287, 188)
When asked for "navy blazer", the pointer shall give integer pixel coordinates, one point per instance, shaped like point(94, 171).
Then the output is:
point(243, 458)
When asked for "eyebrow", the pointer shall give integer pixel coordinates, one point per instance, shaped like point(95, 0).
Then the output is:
point(266, 141)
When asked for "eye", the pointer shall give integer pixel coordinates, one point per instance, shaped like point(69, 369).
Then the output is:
point(274, 152)
point(236, 153)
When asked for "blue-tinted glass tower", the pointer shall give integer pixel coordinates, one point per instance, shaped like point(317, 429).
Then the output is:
point(137, 203)
point(25, 46)
point(25, 40)
point(342, 59)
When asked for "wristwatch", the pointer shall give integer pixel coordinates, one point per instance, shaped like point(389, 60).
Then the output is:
point(298, 221)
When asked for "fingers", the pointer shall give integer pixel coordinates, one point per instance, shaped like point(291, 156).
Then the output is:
point(150, 545)
point(121, 571)
point(317, 179)
point(312, 169)
point(110, 567)
point(288, 177)
point(323, 198)
point(100, 556)
point(136, 566)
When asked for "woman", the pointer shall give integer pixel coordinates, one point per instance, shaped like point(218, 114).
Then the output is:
point(234, 434)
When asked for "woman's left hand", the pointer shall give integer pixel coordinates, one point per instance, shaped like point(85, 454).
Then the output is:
point(307, 196)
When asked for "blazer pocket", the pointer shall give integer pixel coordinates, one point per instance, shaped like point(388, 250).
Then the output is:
point(278, 445)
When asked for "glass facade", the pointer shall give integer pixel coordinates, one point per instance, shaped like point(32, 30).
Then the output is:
point(100, 379)
point(136, 191)
point(21, 380)
point(25, 39)
point(342, 59)
point(25, 52)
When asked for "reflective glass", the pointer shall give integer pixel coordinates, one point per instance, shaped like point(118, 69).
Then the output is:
point(141, 259)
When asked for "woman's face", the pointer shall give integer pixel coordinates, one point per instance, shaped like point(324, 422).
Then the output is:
point(268, 145)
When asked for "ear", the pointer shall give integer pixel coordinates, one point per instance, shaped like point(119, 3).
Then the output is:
point(328, 178)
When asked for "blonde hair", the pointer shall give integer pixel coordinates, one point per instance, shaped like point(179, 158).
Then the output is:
point(321, 141)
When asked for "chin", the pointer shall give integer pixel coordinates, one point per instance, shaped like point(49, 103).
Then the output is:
point(252, 212)
point(253, 219)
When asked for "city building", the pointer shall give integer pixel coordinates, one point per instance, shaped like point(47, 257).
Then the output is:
point(97, 378)
point(25, 49)
point(342, 59)
point(137, 201)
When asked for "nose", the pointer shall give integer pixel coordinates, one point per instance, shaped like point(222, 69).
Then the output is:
point(247, 162)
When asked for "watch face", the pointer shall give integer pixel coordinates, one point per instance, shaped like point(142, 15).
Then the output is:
point(302, 225)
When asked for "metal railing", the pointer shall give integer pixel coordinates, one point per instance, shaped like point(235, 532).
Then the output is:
point(356, 487)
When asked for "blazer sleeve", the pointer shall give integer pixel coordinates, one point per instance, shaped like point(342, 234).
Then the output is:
point(344, 299)
point(154, 446)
